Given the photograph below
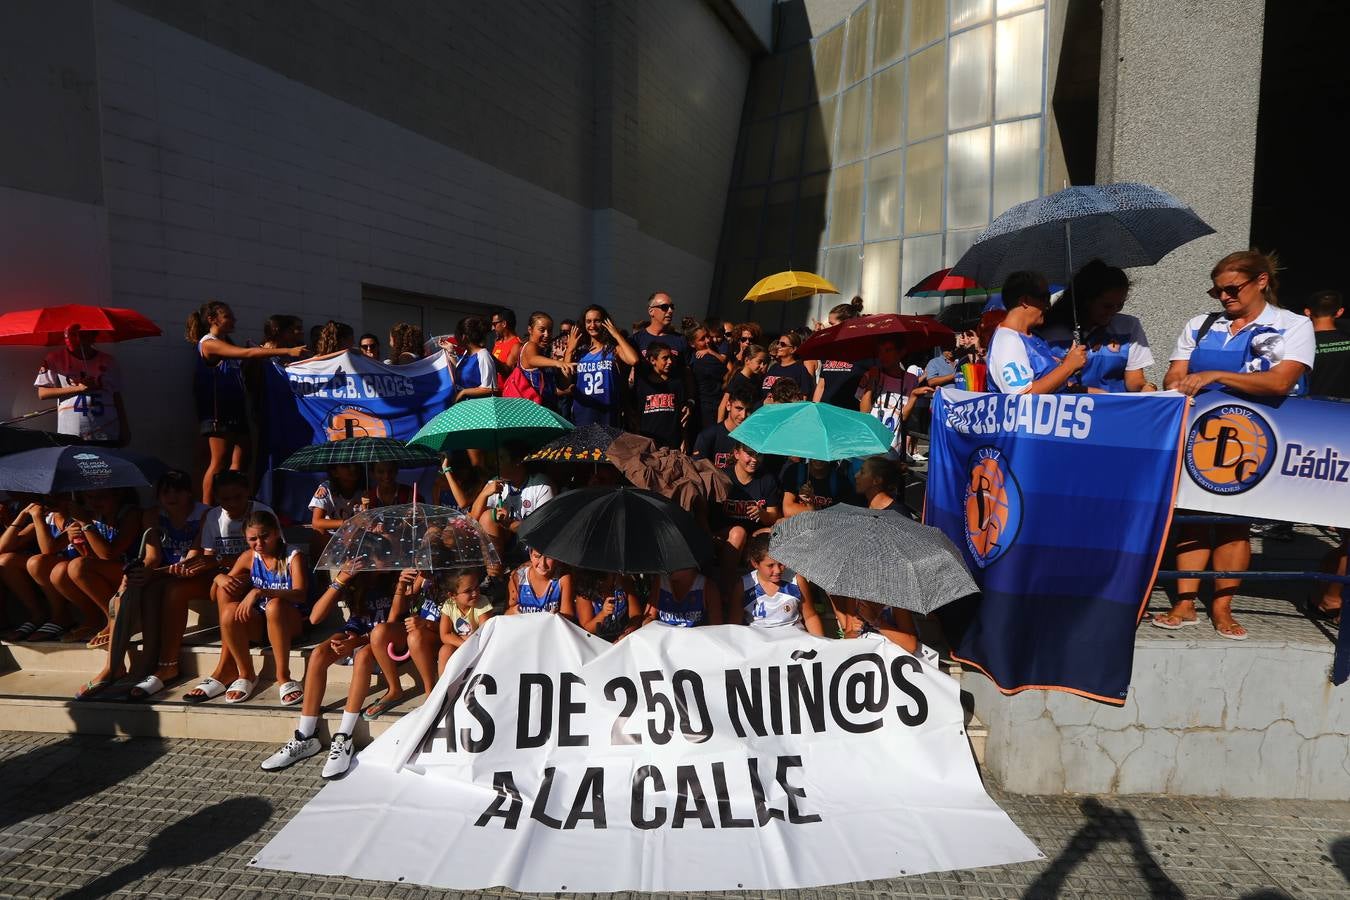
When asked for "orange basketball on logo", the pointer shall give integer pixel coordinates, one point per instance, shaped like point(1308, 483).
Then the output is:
point(363, 424)
point(1229, 450)
point(993, 507)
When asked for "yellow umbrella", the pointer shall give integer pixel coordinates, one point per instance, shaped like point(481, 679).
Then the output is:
point(789, 286)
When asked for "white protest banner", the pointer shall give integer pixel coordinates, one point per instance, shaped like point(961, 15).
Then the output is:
point(1282, 458)
point(677, 760)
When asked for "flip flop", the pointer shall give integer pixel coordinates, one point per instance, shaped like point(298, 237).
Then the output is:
point(147, 687)
point(21, 633)
point(47, 632)
point(1179, 624)
point(210, 689)
point(380, 707)
point(1230, 635)
point(290, 687)
point(240, 686)
point(93, 688)
point(99, 641)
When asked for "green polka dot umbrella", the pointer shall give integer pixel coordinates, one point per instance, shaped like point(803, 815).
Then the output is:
point(485, 423)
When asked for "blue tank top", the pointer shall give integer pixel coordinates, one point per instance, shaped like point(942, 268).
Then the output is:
point(271, 579)
point(529, 602)
point(1108, 354)
point(176, 542)
point(470, 370)
point(610, 627)
point(542, 380)
point(427, 604)
point(1215, 352)
point(56, 531)
point(595, 400)
point(685, 612)
point(219, 386)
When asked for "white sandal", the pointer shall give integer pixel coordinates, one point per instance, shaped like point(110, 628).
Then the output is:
point(290, 687)
point(210, 689)
point(148, 686)
point(241, 686)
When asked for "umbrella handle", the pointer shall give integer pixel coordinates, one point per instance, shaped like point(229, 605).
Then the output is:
point(393, 654)
point(31, 415)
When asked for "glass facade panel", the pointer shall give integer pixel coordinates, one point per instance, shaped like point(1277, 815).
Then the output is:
point(855, 54)
point(843, 269)
point(968, 178)
point(1011, 6)
point(819, 136)
point(969, 100)
point(852, 124)
point(737, 278)
point(809, 235)
point(787, 153)
point(880, 277)
point(758, 153)
point(1019, 62)
point(883, 197)
point(888, 34)
point(779, 206)
point(970, 12)
point(921, 257)
point(829, 56)
point(846, 205)
point(798, 83)
point(958, 242)
point(927, 93)
point(743, 215)
point(927, 22)
point(1017, 163)
point(923, 187)
point(888, 95)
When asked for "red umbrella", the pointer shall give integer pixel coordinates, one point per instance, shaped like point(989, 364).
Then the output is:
point(943, 284)
point(854, 340)
point(47, 327)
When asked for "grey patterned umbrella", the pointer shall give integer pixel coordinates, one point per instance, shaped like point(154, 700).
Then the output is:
point(873, 554)
point(1121, 224)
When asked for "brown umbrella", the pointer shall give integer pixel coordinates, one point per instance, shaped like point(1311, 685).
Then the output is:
point(692, 483)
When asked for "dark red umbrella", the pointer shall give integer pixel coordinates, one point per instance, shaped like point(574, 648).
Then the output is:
point(856, 339)
point(47, 327)
point(944, 284)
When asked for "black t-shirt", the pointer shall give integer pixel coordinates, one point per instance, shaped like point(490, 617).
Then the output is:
point(715, 445)
point(708, 372)
point(763, 491)
point(796, 372)
point(755, 385)
point(841, 381)
point(834, 487)
point(658, 405)
point(1330, 376)
point(642, 339)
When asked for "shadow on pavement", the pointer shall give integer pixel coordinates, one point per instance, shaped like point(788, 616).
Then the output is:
point(1102, 824)
point(187, 842)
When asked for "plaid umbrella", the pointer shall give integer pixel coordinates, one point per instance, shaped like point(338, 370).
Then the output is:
point(872, 554)
point(408, 536)
point(359, 451)
point(485, 423)
point(584, 444)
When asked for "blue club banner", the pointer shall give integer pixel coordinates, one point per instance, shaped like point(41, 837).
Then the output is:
point(322, 400)
point(1061, 505)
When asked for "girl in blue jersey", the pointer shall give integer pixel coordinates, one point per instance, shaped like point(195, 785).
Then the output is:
point(476, 370)
point(1019, 361)
point(222, 408)
point(607, 605)
point(540, 586)
point(772, 596)
point(537, 365)
point(1117, 350)
point(105, 527)
point(265, 590)
point(684, 599)
point(598, 357)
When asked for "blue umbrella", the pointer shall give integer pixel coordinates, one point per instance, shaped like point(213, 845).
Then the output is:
point(1121, 224)
point(56, 470)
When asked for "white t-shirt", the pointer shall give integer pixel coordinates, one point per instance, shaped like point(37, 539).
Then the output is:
point(333, 504)
point(92, 415)
point(889, 396)
point(1285, 335)
point(521, 502)
point(772, 606)
point(1123, 328)
point(1011, 368)
point(224, 536)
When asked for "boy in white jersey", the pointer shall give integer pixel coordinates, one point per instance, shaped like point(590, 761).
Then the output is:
point(87, 386)
point(773, 595)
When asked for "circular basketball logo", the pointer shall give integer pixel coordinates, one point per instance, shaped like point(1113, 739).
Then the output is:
point(1230, 449)
point(993, 506)
point(356, 421)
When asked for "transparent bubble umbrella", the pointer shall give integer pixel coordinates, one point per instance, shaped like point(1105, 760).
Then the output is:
point(408, 536)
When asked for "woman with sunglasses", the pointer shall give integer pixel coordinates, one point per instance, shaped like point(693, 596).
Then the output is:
point(1255, 347)
point(786, 365)
point(1117, 350)
point(1019, 361)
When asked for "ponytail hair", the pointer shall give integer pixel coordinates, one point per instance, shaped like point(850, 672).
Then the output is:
point(1253, 263)
point(199, 320)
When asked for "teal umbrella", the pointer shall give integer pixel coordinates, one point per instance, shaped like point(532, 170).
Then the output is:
point(813, 431)
point(485, 423)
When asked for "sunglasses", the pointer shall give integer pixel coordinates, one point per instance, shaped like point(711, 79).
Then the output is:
point(664, 307)
point(747, 339)
point(1230, 291)
point(370, 346)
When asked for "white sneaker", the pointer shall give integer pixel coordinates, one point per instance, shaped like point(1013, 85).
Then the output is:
point(339, 756)
point(918, 458)
point(294, 750)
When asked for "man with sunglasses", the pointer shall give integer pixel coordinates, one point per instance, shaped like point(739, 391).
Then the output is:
point(661, 311)
point(1019, 361)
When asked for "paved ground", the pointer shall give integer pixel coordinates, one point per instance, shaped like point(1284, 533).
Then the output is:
point(89, 817)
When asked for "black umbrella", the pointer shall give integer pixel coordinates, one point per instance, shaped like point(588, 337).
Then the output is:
point(617, 530)
point(54, 470)
point(17, 440)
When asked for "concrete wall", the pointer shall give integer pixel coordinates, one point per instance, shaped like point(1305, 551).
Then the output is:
point(1180, 87)
point(278, 156)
